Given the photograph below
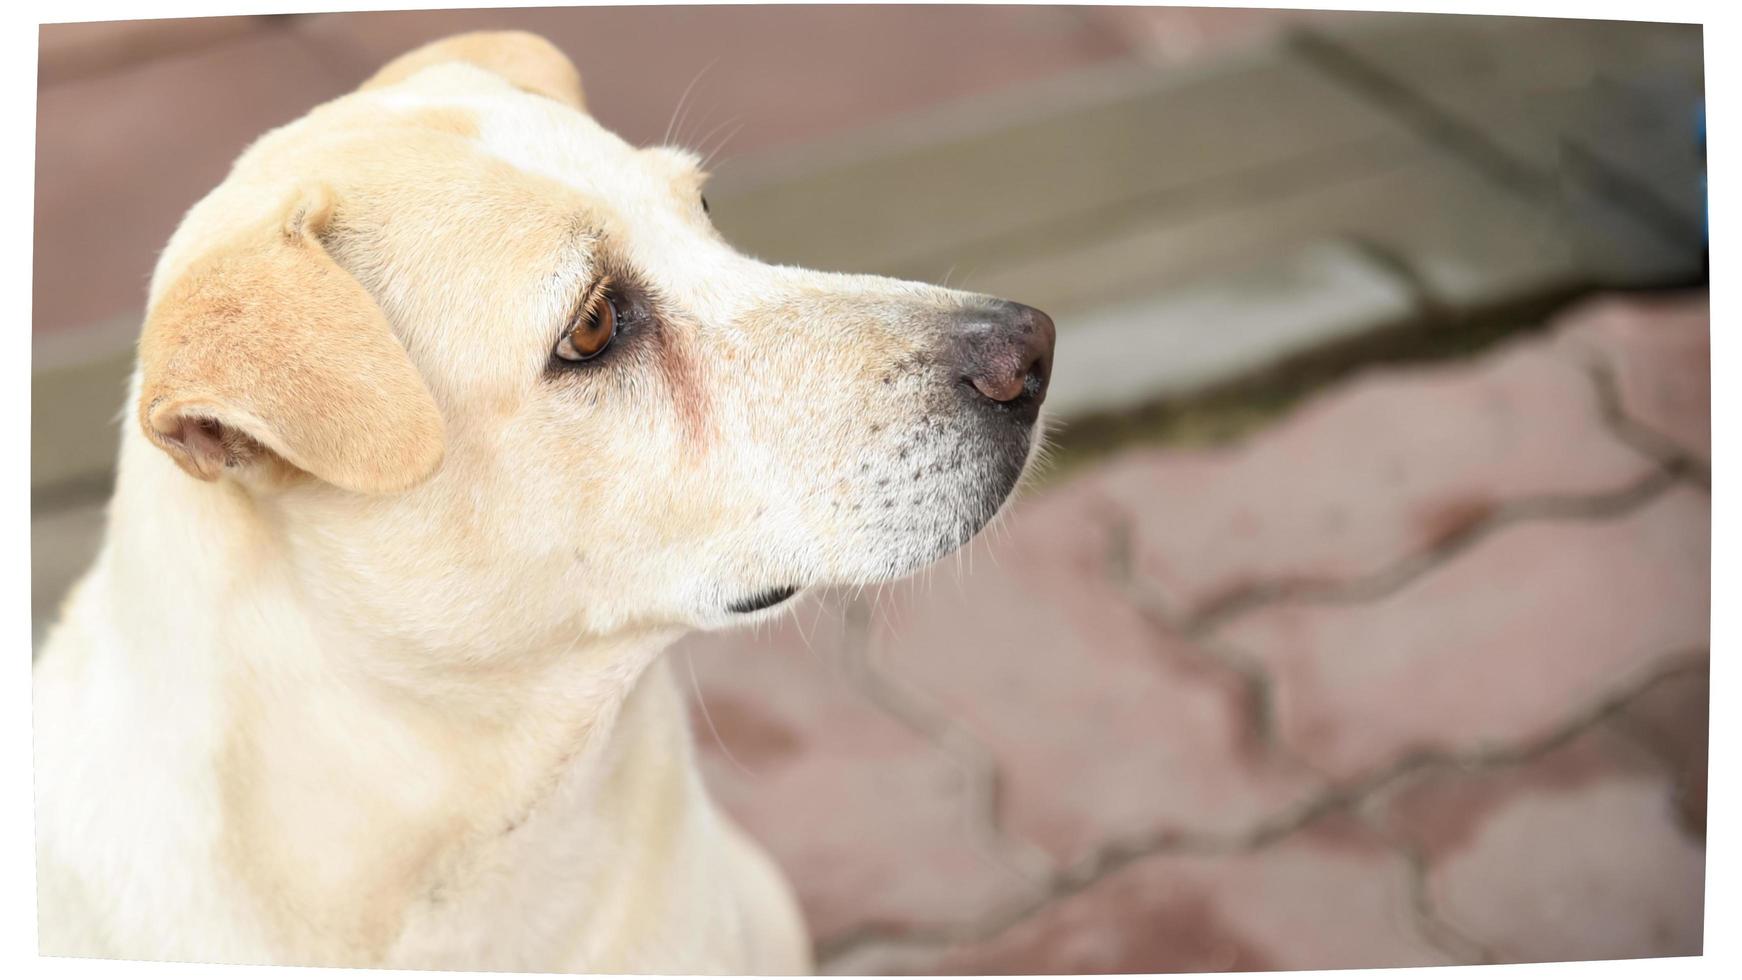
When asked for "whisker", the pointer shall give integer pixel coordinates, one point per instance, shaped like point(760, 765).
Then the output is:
point(709, 160)
point(673, 125)
point(888, 624)
point(798, 624)
point(817, 620)
point(702, 702)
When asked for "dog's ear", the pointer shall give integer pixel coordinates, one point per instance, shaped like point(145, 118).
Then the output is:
point(527, 61)
point(264, 345)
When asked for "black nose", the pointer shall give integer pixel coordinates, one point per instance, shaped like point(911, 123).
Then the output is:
point(1003, 353)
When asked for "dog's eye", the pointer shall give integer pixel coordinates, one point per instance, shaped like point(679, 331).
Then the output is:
point(705, 209)
point(591, 332)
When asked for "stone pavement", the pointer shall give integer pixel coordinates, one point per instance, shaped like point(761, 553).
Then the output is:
point(1414, 675)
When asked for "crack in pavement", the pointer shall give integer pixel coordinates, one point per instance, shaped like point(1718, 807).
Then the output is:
point(1201, 624)
point(1257, 689)
point(1635, 434)
point(1348, 796)
point(1610, 712)
point(1650, 742)
point(1433, 927)
point(1400, 573)
point(983, 777)
point(1672, 463)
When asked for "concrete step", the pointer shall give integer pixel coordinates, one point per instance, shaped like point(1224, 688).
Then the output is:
point(1186, 340)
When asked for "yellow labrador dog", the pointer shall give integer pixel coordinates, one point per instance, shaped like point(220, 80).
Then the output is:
point(451, 412)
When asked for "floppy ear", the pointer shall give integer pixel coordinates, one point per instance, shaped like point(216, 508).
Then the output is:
point(526, 60)
point(266, 345)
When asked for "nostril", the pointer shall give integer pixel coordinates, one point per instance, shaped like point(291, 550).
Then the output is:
point(1005, 389)
point(1012, 383)
point(1039, 373)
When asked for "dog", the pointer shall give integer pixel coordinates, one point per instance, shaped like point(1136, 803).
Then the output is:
point(451, 412)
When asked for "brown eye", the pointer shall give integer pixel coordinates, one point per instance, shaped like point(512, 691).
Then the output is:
point(705, 208)
point(591, 333)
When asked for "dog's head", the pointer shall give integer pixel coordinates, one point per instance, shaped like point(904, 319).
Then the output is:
point(491, 370)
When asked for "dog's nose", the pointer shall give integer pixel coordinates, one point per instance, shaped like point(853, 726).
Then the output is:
point(1004, 352)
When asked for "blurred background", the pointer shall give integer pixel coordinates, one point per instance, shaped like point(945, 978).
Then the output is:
point(1360, 616)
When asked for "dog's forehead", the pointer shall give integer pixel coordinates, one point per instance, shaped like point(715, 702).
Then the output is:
point(542, 136)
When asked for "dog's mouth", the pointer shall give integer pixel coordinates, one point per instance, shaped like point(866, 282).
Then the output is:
point(763, 600)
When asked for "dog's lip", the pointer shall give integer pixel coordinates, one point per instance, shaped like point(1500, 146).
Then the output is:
point(764, 599)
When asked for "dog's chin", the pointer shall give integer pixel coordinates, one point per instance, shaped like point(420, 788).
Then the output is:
point(950, 519)
point(899, 541)
point(952, 535)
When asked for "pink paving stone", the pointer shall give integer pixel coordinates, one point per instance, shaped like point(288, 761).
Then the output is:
point(1105, 726)
point(1660, 351)
point(1673, 718)
point(1577, 854)
point(1330, 896)
point(1367, 475)
point(868, 819)
point(1531, 625)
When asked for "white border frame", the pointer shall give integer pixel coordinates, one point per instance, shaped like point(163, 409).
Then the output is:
point(18, 63)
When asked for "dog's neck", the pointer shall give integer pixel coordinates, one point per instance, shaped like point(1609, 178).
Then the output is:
point(357, 795)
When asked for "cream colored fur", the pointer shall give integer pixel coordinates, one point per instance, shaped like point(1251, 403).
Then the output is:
point(368, 669)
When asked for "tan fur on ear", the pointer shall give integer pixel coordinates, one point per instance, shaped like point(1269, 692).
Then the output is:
point(526, 60)
point(266, 342)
